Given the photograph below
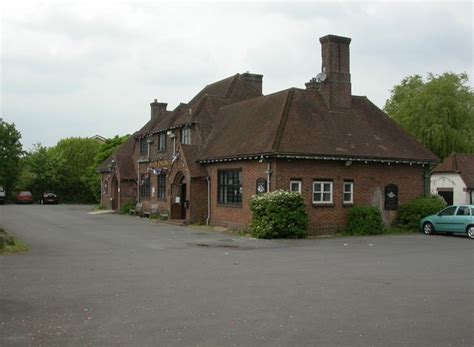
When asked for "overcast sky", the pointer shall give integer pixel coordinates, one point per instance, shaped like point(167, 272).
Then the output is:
point(80, 69)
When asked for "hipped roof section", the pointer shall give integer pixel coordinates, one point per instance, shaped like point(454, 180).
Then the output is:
point(123, 159)
point(298, 122)
point(463, 164)
point(230, 89)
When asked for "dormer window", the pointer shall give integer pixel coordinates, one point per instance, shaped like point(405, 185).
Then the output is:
point(186, 136)
point(162, 142)
point(143, 146)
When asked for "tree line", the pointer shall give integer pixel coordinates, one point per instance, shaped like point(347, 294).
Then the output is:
point(437, 110)
point(67, 169)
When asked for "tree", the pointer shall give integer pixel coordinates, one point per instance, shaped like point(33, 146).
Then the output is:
point(11, 150)
point(78, 155)
point(43, 170)
point(106, 150)
point(439, 112)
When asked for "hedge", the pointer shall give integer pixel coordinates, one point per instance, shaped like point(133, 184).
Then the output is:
point(410, 214)
point(364, 220)
point(278, 214)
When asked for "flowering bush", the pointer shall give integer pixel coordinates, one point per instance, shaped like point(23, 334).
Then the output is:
point(278, 214)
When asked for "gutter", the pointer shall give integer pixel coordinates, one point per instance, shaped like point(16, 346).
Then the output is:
point(316, 157)
point(208, 219)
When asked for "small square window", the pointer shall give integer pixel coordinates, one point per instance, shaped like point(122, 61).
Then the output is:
point(295, 186)
point(348, 193)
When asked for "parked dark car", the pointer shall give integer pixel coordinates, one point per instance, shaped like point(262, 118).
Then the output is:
point(24, 198)
point(2, 196)
point(49, 198)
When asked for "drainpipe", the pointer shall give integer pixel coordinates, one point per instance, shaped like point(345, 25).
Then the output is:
point(118, 191)
point(269, 175)
point(208, 219)
point(138, 181)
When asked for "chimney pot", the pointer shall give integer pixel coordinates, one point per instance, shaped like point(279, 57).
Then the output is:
point(336, 90)
point(157, 108)
point(255, 81)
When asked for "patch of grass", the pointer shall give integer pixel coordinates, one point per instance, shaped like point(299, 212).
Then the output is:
point(10, 244)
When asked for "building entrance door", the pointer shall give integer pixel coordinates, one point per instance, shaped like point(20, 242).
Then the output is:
point(114, 192)
point(447, 195)
point(179, 202)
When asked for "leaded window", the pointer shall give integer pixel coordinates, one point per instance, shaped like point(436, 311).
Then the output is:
point(161, 187)
point(145, 186)
point(162, 142)
point(143, 146)
point(186, 136)
point(230, 187)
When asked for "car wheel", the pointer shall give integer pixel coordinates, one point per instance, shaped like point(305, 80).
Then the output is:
point(470, 231)
point(428, 228)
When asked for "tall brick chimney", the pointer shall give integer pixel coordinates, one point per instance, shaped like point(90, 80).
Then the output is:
point(336, 89)
point(157, 108)
point(253, 80)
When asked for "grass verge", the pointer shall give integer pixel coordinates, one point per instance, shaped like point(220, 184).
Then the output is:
point(10, 244)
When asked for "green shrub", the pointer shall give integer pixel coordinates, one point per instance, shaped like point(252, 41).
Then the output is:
point(3, 241)
point(278, 214)
point(10, 241)
point(364, 220)
point(125, 209)
point(410, 214)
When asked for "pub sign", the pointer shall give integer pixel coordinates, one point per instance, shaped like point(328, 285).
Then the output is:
point(391, 197)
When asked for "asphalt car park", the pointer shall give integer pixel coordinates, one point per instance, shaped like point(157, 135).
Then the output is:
point(101, 279)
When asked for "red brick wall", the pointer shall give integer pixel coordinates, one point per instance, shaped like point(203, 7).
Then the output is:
point(235, 216)
point(369, 184)
point(128, 192)
point(198, 200)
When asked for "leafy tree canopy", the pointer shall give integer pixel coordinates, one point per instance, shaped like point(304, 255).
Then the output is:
point(438, 111)
point(10, 152)
point(43, 170)
point(109, 147)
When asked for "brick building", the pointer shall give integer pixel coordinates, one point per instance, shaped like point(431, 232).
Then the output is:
point(202, 161)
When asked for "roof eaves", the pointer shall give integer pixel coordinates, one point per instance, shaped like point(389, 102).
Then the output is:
point(259, 156)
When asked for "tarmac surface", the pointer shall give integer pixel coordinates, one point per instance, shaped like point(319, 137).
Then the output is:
point(102, 279)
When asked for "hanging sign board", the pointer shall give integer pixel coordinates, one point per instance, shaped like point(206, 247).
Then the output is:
point(261, 185)
point(391, 197)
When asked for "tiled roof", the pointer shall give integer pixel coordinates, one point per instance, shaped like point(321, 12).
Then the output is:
point(190, 154)
point(298, 122)
point(123, 157)
point(459, 163)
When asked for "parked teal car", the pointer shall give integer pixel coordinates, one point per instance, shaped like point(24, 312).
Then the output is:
point(452, 219)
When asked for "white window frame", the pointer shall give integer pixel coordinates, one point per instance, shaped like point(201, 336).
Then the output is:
point(351, 191)
point(299, 186)
point(322, 191)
